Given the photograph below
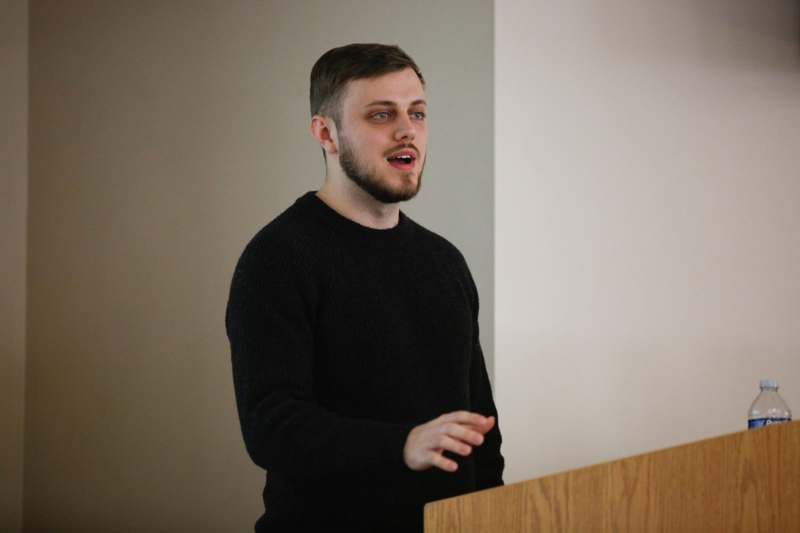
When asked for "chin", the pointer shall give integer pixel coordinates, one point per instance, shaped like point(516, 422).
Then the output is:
point(408, 185)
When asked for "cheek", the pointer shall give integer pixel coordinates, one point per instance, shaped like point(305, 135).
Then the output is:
point(422, 140)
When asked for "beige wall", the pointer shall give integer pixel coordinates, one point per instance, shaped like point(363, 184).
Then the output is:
point(163, 135)
point(647, 242)
point(13, 212)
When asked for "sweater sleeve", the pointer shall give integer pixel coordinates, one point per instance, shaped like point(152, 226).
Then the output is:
point(269, 326)
point(489, 462)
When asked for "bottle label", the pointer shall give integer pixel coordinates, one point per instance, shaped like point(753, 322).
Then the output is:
point(759, 422)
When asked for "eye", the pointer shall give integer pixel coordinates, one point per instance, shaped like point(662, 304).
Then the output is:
point(380, 115)
point(419, 115)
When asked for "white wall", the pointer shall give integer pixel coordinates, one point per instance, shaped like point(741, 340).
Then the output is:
point(647, 222)
point(13, 247)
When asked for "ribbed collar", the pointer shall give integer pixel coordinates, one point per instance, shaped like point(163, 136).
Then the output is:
point(353, 231)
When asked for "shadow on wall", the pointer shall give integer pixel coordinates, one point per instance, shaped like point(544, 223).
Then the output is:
point(763, 35)
point(758, 32)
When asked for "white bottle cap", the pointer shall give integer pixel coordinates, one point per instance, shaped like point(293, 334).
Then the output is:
point(768, 384)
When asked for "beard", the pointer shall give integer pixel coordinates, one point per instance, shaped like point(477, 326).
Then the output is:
point(370, 181)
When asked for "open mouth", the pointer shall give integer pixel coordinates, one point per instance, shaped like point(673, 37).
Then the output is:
point(403, 161)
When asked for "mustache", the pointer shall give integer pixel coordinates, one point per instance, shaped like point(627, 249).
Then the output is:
point(403, 147)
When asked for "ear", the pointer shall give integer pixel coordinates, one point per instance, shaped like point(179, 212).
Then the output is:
point(323, 129)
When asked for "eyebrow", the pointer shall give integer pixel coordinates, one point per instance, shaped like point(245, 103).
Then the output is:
point(392, 104)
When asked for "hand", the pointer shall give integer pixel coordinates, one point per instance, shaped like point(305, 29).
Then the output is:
point(454, 432)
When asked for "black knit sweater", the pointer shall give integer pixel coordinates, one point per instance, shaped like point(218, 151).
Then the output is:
point(343, 338)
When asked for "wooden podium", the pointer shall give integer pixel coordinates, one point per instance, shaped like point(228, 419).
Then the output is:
point(745, 481)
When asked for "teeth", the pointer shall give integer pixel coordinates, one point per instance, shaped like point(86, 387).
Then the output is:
point(405, 159)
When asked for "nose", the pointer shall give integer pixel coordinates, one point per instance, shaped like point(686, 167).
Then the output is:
point(405, 130)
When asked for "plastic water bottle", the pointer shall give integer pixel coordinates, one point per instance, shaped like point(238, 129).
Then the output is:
point(768, 407)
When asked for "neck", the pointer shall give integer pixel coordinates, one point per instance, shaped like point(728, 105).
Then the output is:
point(352, 202)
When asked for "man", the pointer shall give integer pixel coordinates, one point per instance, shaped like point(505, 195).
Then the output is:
point(360, 381)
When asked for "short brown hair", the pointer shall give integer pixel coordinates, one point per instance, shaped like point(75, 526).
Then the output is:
point(338, 66)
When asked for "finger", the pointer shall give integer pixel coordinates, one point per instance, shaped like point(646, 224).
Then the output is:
point(453, 445)
point(444, 463)
point(470, 434)
point(489, 422)
point(485, 427)
point(464, 417)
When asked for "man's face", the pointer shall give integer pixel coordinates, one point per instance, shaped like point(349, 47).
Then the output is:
point(382, 118)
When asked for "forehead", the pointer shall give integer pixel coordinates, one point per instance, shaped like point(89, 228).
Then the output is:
point(401, 87)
